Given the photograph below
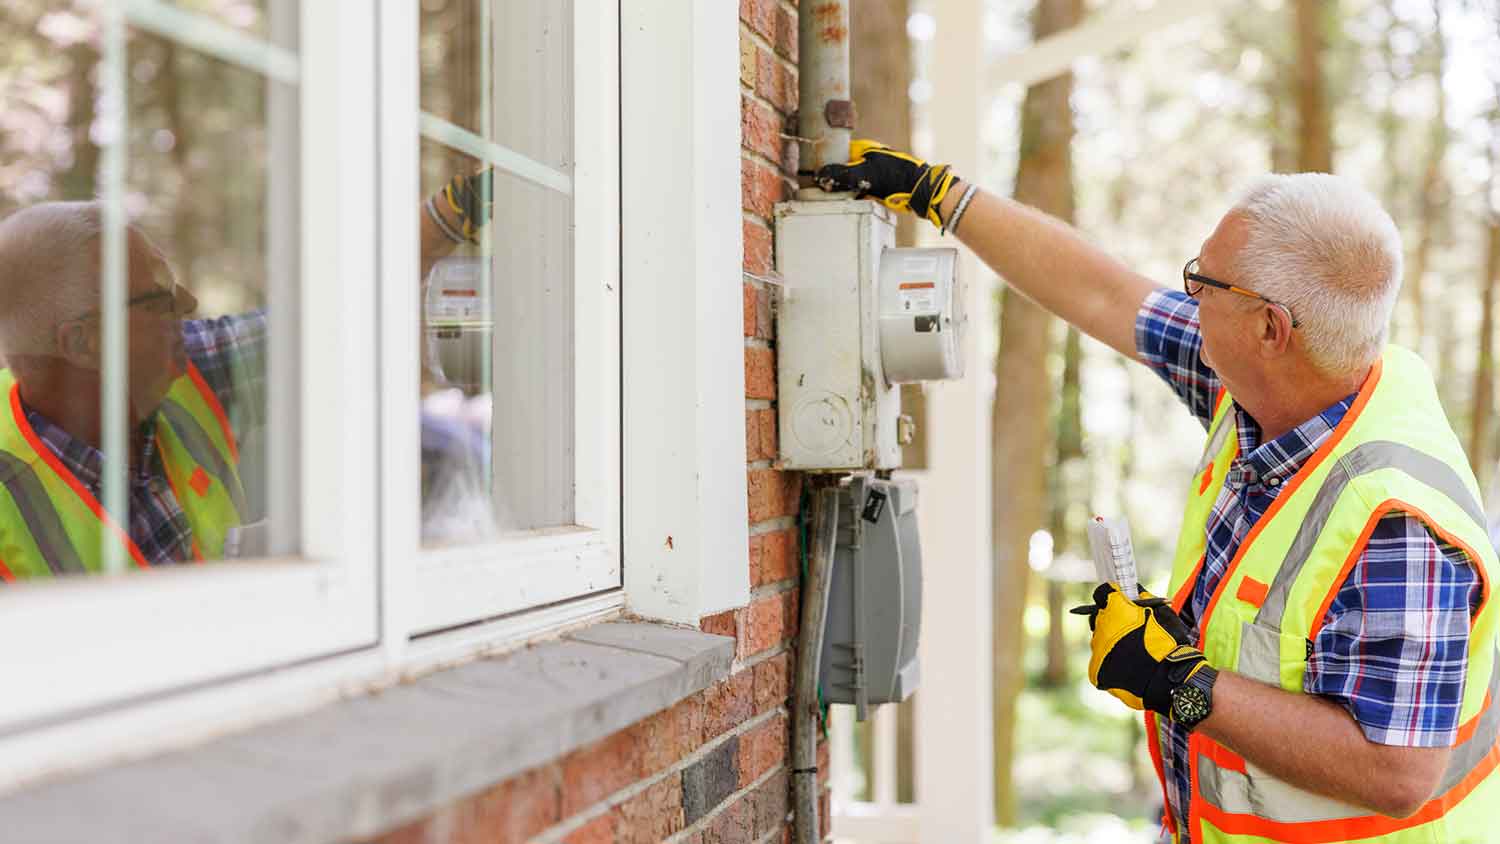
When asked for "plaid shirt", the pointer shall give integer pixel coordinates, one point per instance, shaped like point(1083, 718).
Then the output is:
point(1394, 650)
point(230, 352)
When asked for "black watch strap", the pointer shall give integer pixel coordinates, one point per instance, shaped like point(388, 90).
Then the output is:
point(1193, 700)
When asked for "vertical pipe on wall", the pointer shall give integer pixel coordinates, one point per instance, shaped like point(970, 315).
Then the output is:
point(806, 713)
point(825, 114)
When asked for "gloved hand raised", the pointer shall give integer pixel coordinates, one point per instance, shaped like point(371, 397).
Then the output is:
point(1140, 649)
point(470, 198)
point(900, 181)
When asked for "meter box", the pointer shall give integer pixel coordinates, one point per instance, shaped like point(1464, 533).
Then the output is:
point(458, 323)
point(837, 410)
point(857, 317)
point(875, 596)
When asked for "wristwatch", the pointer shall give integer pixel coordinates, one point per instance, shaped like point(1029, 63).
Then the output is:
point(1193, 699)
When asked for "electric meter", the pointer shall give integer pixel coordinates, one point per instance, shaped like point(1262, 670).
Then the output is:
point(921, 315)
point(458, 323)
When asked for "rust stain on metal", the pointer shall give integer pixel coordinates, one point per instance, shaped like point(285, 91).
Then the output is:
point(840, 114)
point(830, 19)
point(833, 34)
point(669, 542)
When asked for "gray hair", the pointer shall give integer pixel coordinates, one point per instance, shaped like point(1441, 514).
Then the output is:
point(48, 254)
point(1322, 246)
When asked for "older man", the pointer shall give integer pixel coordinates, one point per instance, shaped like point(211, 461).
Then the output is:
point(1324, 668)
point(195, 386)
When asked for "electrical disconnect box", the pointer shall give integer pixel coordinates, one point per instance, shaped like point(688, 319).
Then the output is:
point(857, 317)
point(875, 599)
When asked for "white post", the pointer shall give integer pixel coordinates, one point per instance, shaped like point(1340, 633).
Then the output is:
point(954, 755)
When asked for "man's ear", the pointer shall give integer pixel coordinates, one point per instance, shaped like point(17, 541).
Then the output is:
point(1275, 331)
point(78, 344)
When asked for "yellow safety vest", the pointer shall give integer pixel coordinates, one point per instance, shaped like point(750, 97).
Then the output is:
point(1394, 450)
point(50, 523)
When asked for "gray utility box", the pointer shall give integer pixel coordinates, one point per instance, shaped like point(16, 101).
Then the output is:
point(875, 598)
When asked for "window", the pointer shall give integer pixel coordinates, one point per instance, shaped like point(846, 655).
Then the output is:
point(518, 398)
point(179, 302)
point(408, 433)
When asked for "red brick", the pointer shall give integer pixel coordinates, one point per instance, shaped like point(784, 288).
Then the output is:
point(760, 15)
point(765, 624)
point(752, 454)
point(764, 318)
point(792, 607)
point(652, 815)
point(778, 558)
point(599, 770)
point(412, 833)
point(774, 82)
point(760, 128)
point(726, 623)
point(761, 187)
point(728, 704)
point(751, 300)
point(772, 682)
point(762, 749)
point(600, 830)
point(735, 824)
point(785, 37)
point(669, 735)
point(772, 493)
point(514, 811)
point(757, 236)
point(760, 373)
point(748, 61)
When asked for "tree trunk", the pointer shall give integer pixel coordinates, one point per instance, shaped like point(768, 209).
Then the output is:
point(1431, 202)
point(1314, 134)
point(1482, 416)
point(1065, 488)
point(1019, 426)
point(880, 63)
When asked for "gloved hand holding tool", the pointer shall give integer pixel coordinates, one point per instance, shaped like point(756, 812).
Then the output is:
point(900, 181)
point(469, 199)
point(1141, 655)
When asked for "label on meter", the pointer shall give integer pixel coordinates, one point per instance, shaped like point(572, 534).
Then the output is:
point(919, 296)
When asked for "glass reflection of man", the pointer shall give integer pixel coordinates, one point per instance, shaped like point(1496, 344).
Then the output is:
point(194, 385)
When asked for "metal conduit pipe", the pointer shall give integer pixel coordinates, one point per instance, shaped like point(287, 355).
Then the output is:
point(825, 114)
point(806, 714)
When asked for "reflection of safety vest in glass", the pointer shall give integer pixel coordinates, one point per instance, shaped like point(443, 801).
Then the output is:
point(1394, 450)
point(50, 523)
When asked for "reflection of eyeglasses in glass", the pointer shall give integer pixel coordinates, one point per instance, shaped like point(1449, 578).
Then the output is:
point(157, 303)
point(1193, 284)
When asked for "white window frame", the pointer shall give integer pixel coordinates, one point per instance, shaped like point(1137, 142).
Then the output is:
point(343, 624)
point(473, 583)
point(100, 641)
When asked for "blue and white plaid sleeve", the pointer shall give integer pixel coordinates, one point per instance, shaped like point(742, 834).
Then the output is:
point(1395, 646)
point(1167, 339)
point(230, 351)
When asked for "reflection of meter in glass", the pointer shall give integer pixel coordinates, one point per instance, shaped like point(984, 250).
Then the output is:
point(458, 323)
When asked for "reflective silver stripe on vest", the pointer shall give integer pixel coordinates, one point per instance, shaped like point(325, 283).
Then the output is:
point(202, 450)
point(1361, 460)
point(39, 514)
point(1265, 797)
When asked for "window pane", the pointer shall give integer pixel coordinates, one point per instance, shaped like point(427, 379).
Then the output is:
point(497, 384)
point(208, 249)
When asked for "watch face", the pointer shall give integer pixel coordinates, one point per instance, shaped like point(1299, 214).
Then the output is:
point(1189, 705)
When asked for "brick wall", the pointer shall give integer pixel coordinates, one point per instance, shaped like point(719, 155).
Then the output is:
point(714, 768)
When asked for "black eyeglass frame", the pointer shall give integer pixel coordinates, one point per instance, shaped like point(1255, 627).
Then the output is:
point(1188, 277)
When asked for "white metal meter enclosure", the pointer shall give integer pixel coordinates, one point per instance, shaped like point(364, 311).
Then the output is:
point(856, 318)
point(837, 410)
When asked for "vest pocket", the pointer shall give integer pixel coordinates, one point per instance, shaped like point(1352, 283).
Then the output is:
point(1271, 656)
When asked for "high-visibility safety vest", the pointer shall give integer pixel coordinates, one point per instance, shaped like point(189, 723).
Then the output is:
point(1393, 451)
point(50, 523)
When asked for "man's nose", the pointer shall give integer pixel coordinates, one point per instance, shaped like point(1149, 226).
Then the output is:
point(183, 300)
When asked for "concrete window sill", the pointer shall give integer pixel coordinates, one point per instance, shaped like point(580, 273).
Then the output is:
point(366, 765)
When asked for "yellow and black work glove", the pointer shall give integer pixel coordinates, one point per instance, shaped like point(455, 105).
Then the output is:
point(1140, 648)
point(470, 198)
point(902, 182)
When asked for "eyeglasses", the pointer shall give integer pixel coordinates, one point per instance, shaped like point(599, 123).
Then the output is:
point(1193, 284)
point(157, 303)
